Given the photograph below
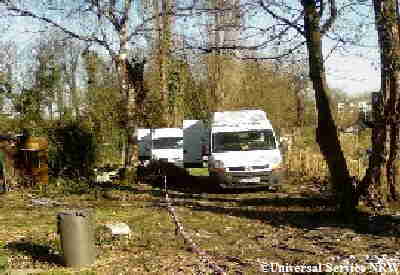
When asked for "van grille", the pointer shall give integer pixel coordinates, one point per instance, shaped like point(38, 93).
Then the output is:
point(260, 167)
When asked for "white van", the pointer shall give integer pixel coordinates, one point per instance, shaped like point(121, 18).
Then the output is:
point(144, 143)
point(167, 145)
point(244, 151)
point(195, 142)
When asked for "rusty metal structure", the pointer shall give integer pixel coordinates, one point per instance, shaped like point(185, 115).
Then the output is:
point(34, 159)
point(25, 160)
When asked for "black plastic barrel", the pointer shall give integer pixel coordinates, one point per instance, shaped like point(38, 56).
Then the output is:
point(76, 231)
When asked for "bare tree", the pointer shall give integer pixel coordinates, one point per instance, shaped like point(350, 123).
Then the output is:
point(114, 25)
point(311, 20)
point(382, 179)
point(7, 60)
point(326, 134)
point(73, 50)
point(163, 45)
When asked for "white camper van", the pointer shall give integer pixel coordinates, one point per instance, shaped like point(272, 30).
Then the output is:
point(195, 143)
point(144, 142)
point(167, 145)
point(243, 151)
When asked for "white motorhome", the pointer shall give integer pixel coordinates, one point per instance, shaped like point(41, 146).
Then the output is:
point(195, 142)
point(144, 142)
point(243, 151)
point(167, 145)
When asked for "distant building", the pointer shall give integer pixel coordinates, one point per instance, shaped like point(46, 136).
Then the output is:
point(364, 109)
point(346, 107)
point(364, 106)
point(341, 107)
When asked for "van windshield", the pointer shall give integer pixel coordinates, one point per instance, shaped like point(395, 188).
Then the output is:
point(168, 143)
point(243, 141)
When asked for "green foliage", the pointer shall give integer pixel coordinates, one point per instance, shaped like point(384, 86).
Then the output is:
point(5, 85)
point(72, 151)
point(31, 101)
point(29, 106)
point(196, 102)
point(8, 125)
point(173, 86)
point(73, 186)
point(305, 139)
point(258, 85)
point(102, 113)
point(3, 263)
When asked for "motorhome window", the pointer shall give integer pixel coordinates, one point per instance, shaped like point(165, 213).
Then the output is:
point(243, 141)
point(168, 143)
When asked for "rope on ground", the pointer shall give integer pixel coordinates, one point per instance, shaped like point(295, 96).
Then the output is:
point(204, 257)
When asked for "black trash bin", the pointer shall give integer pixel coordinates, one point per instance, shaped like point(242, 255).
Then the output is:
point(76, 231)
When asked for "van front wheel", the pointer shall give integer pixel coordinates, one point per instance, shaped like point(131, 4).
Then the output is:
point(217, 177)
point(217, 181)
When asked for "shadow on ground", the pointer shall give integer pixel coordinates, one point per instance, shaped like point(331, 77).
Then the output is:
point(38, 252)
point(299, 210)
point(383, 225)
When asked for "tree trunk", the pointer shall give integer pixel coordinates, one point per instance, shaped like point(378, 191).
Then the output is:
point(326, 132)
point(299, 95)
point(60, 102)
point(381, 181)
point(50, 109)
point(163, 44)
point(127, 111)
point(73, 87)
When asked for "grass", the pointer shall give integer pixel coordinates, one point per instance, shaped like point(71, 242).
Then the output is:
point(237, 230)
point(3, 263)
point(198, 171)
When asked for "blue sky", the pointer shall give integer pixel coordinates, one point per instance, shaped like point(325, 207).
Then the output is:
point(353, 72)
point(355, 69)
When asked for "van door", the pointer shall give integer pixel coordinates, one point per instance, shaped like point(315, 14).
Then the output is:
point(193, 139)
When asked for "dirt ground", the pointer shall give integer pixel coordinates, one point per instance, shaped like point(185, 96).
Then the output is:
point(238, 232)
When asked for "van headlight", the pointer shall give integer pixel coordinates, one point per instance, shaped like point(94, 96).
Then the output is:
point(277, 166)
point(217, 166)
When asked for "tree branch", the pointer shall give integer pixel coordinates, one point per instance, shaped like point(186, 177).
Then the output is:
point(108, 14)
point(321, 8)
point(280, 18)
point(256, 47)
point(125, 14)
point(51, 22)
point(276, 57)
point(328, 24)
point(72, 34)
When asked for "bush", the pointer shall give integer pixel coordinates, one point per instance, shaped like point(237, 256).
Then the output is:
point(72, 150)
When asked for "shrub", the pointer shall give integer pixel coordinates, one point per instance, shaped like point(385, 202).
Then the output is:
point(72, 149)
